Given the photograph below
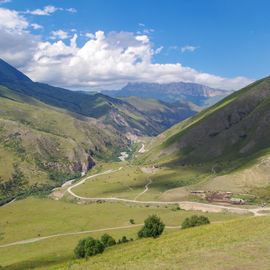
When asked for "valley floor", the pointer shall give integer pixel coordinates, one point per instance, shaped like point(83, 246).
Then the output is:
point(39, 233)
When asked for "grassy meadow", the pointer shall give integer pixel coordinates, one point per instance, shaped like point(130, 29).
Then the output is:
point(131, 180)
point(32, 217)
point(238, 244)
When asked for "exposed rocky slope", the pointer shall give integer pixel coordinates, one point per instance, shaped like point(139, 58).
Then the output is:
point(200, 95)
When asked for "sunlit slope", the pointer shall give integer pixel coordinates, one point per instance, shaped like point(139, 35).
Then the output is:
point(239, 244)
point(49, 144)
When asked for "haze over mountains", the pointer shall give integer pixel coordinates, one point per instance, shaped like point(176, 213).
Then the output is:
point(198, 94)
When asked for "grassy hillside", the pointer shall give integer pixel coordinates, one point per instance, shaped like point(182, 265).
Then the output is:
point(234, 129)
point(48, 145)
point(33, 217)
point(228, 144)
point(164, 113)
point(239, 244)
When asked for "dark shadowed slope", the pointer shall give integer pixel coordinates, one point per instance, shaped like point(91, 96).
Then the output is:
point(233, 131)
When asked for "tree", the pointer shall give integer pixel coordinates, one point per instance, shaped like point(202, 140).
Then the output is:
point(79, 251)
point(88, 247)
point(195, 221)
point(107, 240)
point(153, 227)
point(131, 221)
point(124, 239)
point(93, 247)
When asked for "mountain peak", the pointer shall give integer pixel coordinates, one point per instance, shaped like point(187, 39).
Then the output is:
point(11, 74)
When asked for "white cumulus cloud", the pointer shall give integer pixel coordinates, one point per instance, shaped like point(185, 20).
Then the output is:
point(110, 61)
point(10, 19)
point(102, 61)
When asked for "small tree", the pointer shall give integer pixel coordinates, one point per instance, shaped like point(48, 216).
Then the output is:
point(153, 227)
point(195, 221)
point(131, 221)
point(107, 240)
point(88, 247)
point(79, 251)
point(93, 247)
point(124, 239)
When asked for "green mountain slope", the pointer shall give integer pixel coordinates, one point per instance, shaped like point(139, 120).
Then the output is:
point(49, 145)
point(117, 113)
point(164, 113)
point(235, 129)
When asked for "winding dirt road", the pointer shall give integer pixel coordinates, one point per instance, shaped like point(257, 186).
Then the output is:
point(186, 205)
point(145, 189)
point(142, 150)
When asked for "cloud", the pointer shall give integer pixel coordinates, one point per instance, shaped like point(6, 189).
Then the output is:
point(158, 50)
point(102, 61)
point(36, 26)
point(111, 61)
point(46, 11)
point(11, 20)
point(142, 24)
point(60, 34)
point(5, 1)
point(188, 49)
point(72, 10)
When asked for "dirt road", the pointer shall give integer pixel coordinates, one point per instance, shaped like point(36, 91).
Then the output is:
point(32, 240)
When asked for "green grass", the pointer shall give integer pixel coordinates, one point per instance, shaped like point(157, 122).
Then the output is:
point(130, 181)
point(239, 244)
point(31, 218)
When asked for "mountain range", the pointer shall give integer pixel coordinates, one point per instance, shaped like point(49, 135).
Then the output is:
point(198, 94)
point(53, 134)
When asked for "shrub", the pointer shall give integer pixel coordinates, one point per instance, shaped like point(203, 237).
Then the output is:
point(88, 247)
point(195, 221)
point(153, 227)
point(131, 221)
point(79, 251)
point(93, 247)
point(107, 240)
point(124, 239)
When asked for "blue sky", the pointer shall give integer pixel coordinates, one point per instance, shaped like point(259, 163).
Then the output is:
point(220, 43)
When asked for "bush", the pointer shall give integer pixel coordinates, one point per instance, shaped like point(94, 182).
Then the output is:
point(153, 227)
point(88, 247)
point(195, 221)
point(79, 251)
point(107, 240)
point(131, 221)
point(124, 240)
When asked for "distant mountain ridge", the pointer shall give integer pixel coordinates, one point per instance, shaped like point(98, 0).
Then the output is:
point(198, 94)
point(119, 114)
